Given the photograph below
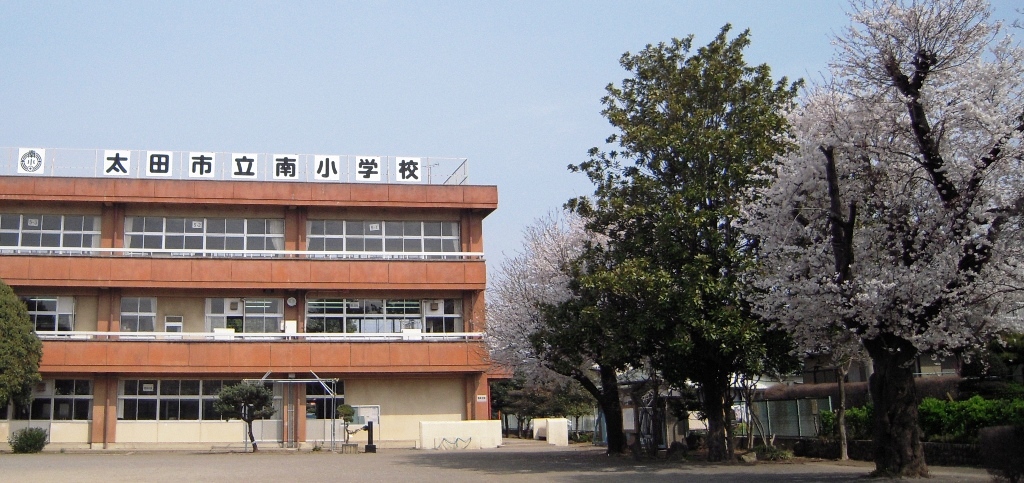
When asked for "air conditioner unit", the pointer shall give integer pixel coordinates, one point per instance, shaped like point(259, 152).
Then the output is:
point(433, 307)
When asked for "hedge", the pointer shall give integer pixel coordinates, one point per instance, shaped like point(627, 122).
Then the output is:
point(940, 420)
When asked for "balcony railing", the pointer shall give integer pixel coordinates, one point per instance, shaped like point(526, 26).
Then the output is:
point(261, 337)
point(259, 254)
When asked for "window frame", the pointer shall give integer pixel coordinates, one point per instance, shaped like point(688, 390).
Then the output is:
point(64, 308)
point(248, 232)
point(138, 314)
point(166, 395)
point(79, 399)
point(393, 315)
point(232, 317)
point(405, 238)
point(61, 234)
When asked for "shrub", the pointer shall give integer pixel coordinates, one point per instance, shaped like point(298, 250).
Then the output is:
point(695, 441)
point(581, 436)
point(772, 453)
point(858, 423)
point(28, 440)
point(1000, 448)
point(827, 421)
point(960, 421)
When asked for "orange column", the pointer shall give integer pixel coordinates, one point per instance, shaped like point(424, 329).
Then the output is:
point(104, 411)
point(478, 401)
point(300, 412)
point(474, 311)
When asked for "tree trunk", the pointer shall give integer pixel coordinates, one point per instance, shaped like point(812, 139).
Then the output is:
point(252, 439)
point(717, 401)
point(898, 450)
point(612, 408)
point(841, 414)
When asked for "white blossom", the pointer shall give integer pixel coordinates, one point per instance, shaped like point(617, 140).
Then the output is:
point(911, 236)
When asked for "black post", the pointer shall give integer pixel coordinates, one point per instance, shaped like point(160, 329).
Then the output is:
point(370, 447)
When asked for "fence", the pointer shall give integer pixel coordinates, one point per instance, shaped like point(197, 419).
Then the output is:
point(792, 417)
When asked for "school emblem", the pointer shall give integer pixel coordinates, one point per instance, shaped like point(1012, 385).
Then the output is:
point(30, 161)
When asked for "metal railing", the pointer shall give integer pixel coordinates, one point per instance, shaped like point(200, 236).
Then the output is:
point(92, 163)
point(273, 254)
point(416, 336)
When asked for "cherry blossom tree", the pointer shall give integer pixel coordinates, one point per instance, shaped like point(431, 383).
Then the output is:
point(534, 277)
point(898, 221)
point(524, 339)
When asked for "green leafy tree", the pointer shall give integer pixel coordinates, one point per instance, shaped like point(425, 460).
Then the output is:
point(347, 414)
point(528, 399)
point(697, 131)
point(20, 349)
point(247, 402)
point(591, 328)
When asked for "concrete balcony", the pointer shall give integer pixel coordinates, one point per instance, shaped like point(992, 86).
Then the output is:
point(245, 354)
point(99, 267)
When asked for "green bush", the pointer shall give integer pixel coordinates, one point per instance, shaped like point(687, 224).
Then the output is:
point(581, 437)
point(858, 423)
point(827, 421)
point(960, 421)
point(940, 420)
point(771, 453)
point(28, 440)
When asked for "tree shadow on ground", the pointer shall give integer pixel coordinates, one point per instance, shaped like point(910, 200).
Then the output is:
point(595, 466)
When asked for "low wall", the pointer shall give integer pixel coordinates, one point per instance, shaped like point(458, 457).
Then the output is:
point(459, 434)
point(941, 454)
point(554, 430)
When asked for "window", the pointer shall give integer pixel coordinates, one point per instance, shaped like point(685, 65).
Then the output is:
point(48, 231)
point(58, 400)
point(382, 315)
point(236, 234)
point(138, 314)
point(51, 313)
point(173, 323)
point(245, 315)
point(169, 399)
point(319, 403)
point(443, 315)
point(382, 236)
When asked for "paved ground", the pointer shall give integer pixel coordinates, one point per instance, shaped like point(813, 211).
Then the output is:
point(514, 462)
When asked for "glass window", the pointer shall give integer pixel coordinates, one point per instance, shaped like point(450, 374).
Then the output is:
point(169, 399)
point(254, 315)
point(382, 315)
point(235, 234)
point(49, 231)
point(138, 314)
point(49, 313)
point(319, 402)
point(405, 237)
point(58, 400)
point(445, 316)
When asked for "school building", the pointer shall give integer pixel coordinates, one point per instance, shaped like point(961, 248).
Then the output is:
point(154, 278)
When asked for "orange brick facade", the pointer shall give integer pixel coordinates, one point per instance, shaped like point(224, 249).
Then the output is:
point(99, 281)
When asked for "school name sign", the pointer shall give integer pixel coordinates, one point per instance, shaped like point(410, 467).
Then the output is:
point(123, 163)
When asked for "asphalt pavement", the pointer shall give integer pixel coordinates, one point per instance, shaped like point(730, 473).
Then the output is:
point(515, 461)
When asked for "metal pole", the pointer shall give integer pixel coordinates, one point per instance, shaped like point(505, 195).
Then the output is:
point(799, 431)
point(370, 447)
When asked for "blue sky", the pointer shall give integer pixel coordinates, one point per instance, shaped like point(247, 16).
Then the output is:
point(513, 86)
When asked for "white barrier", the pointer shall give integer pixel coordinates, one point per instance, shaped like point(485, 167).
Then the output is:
point(459, 434)
point(554, 430)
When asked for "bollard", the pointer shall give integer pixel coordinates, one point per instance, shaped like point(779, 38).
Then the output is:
point(370, 447)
